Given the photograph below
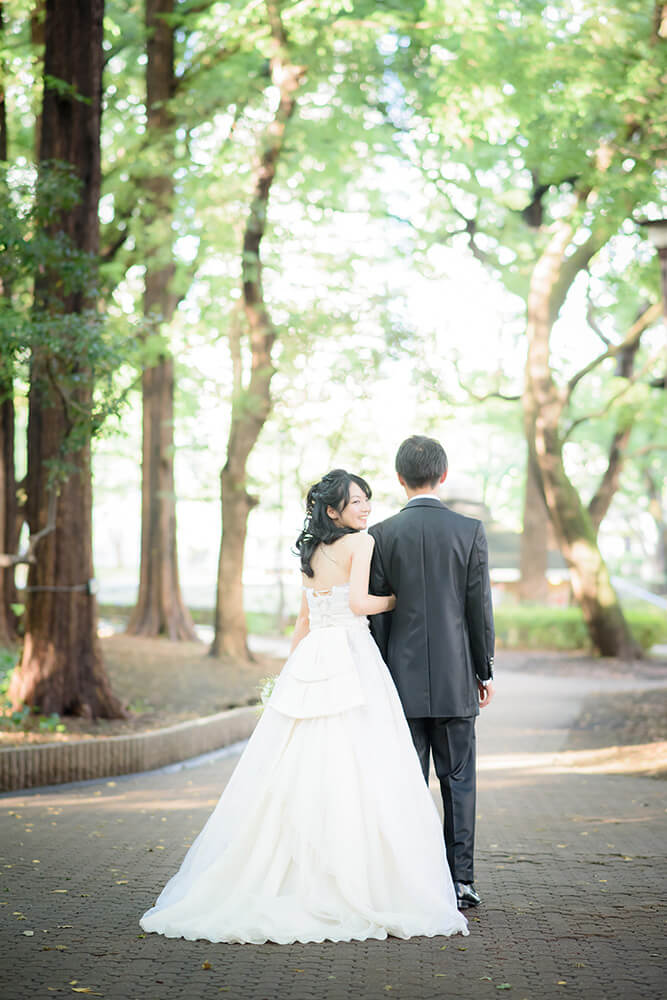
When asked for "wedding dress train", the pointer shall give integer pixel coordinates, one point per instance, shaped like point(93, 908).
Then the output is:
point(326, 829)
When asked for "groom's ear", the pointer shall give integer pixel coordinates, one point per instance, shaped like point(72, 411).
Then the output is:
point(402, 481)
point(443, 476)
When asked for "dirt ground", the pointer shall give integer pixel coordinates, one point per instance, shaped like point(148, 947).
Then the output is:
point(161, 683)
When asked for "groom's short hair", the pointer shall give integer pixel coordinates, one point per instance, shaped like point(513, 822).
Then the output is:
point(421, 461)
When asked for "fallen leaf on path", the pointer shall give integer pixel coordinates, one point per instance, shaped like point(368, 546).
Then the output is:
point(206, 965)
point(28, 933)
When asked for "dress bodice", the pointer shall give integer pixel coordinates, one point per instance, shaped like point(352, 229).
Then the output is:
point(321, 676)
point(327, 608)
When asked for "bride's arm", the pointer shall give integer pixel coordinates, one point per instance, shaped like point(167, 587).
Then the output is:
point(302, 626)
point(361, 602)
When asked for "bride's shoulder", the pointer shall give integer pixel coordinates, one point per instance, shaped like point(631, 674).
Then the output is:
point(360, 541)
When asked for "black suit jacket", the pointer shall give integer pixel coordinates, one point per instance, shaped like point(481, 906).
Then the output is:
point(440, 636)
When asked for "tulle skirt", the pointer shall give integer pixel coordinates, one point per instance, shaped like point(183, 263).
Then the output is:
point(326, 829)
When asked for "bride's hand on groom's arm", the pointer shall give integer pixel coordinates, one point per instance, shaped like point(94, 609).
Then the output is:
point(486, 692)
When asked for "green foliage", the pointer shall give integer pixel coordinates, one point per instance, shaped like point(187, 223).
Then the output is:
point(51, 724)
point(49, 310)
point(538, 627)
point(7, 664)
point(24, 718)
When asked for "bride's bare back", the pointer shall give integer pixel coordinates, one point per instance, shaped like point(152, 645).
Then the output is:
point(331, 564)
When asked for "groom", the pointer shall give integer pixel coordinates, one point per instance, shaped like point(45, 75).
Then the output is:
point(438, 642)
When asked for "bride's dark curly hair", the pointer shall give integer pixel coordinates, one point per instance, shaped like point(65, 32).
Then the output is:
point(333, 490)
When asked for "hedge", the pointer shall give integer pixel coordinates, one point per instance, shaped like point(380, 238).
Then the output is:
point(540, 627)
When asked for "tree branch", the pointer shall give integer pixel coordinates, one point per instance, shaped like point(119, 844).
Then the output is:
point(569, 269)
point(604, 494)
point(209, 58)
point(636, 330)
point(487, 395)
point(590, 315)
point(29, 555)
point(629, 382)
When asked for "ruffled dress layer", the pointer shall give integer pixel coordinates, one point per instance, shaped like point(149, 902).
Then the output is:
point(326, 829)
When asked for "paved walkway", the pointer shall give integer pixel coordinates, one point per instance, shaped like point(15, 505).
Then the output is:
point(571, 866)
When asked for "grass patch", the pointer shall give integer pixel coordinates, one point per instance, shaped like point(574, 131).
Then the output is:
point(257, 622)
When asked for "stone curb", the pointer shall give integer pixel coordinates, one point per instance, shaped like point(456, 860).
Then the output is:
point(56, 763)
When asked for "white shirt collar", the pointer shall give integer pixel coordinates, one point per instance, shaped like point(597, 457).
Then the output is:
point(425, 496)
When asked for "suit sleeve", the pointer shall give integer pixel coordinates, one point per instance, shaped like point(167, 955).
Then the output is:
point(379, 585)
point(479, 609)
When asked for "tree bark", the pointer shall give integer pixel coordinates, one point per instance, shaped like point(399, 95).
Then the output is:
point(543, 405)
point(3, 104)
point(37, 22)
point(251, 403)
point(160, 608)
point(533, 583)
point(8, 503)
point(8, 513)
point(604, 494)
point(656, 509)
point(61, 668)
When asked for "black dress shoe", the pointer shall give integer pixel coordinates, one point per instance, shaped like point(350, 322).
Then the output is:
point(466, 895)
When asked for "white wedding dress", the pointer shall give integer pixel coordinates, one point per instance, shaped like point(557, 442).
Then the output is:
point(326, 830)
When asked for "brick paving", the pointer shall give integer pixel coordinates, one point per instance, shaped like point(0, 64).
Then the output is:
point(571, 867)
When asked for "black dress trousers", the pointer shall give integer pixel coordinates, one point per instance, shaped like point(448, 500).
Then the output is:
point(452, 743)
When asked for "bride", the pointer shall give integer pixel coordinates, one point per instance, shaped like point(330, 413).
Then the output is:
point(326, 829)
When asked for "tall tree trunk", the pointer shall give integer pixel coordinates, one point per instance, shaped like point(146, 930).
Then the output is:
point(160, 609)
point(37, 22)
point(7, 468)
point(533, 584)
point(656, 509)
point(251, 403)
point(61, 669)
point(543, 405)
point(3, 104)
point(8, 513)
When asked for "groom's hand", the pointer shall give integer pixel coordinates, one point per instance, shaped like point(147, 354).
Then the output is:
point(486, 692)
